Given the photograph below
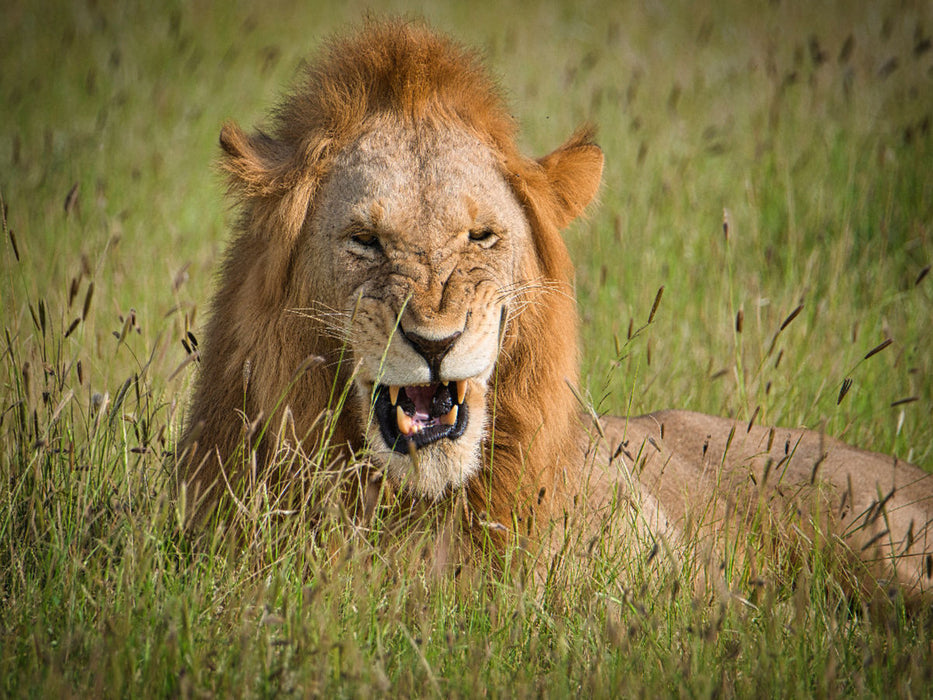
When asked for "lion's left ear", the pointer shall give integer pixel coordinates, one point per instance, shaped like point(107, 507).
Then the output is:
point(573, 171)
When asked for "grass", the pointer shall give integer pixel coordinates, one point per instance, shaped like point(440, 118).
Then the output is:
point(808, 124)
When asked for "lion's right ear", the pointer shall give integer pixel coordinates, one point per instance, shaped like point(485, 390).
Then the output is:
point(275, 178)
point(254, 164)
point(274, 182)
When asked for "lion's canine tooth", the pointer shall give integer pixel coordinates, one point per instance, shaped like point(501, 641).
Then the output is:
point(461, 390)
point(393, 394)
point(450, 418)
point(405, 423)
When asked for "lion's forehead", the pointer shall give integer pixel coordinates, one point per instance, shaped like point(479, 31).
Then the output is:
point(402, 178)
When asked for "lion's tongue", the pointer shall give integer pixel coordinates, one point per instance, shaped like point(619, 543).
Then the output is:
point(421, 396)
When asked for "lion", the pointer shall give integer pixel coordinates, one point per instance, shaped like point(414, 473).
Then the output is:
point(398, 289)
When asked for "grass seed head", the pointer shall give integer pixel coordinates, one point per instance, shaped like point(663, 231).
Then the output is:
point(71, 199)
point(878, 348)
point(793, 314)
point(13, 243)
point(88, 295)
point(844, 389)
point(923, 273)
point(656, 304)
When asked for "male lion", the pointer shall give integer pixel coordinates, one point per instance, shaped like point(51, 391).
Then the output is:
point(395, 242)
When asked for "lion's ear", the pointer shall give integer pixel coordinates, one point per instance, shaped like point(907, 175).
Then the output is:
point(574, 171)
point(273, 183)
point(274, 179)
point(254, 164)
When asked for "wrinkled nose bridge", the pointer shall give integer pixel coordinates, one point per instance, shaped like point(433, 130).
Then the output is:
point(433, 292)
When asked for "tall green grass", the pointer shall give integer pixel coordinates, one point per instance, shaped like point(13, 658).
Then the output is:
point(805, 126)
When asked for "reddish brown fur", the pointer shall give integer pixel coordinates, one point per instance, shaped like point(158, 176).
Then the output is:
point(406, 70)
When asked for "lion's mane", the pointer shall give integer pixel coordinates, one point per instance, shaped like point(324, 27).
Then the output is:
point(254, 346)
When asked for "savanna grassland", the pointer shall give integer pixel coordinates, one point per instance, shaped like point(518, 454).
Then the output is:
point(768, 165)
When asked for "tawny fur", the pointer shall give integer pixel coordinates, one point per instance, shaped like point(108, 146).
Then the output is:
point(261, 361)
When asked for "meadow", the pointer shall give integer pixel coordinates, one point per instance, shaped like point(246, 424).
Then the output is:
point(768, 164)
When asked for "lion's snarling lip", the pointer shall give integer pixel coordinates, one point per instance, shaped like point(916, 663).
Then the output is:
point(420, 415)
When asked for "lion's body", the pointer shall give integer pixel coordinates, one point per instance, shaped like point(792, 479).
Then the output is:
point(398, 287)
point(712, 475)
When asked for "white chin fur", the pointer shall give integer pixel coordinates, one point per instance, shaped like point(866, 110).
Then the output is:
point(436, 473)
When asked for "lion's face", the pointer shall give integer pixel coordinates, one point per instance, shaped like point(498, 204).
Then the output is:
point(417, 242)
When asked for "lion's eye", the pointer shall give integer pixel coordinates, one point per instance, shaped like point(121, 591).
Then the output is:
point(366, 239)
point(483, 236)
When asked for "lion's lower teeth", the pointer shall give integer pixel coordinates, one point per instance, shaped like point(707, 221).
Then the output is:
point(408, 426)
point(451, 417)
point(405, 423)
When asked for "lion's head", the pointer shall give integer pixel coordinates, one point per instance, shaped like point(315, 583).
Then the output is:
point(391, 227)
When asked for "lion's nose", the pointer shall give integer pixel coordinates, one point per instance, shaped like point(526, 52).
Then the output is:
point(433, 351)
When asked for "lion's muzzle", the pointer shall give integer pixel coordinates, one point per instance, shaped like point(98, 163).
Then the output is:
point(422, 414)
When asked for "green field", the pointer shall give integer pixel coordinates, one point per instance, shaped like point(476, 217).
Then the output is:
point(806, 126)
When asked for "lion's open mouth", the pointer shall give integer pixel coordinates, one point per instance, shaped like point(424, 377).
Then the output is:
point(420, 414)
